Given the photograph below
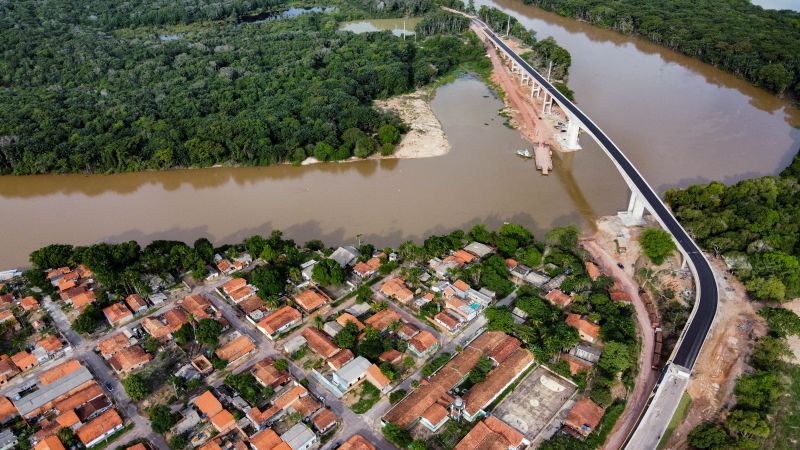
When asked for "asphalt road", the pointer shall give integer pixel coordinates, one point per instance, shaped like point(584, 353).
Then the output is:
point(706, 306)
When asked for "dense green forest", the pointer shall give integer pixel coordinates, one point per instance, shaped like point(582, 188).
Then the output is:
point(99, 86)
point(754, 224)
point(760, 45)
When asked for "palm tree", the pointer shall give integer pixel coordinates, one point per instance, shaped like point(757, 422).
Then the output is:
point(319, 322)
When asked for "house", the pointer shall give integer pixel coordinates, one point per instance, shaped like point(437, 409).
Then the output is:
point(117, 314)
point(434, 417)
point(464, 256)
point(207, 404)
point(49, 347)
point(391, 356)
point(359, 309)
point(576, 365)
point(199, 307)
point(592, 270)
point(59, 371)
point(424, 300)
point(112, 344)
point(478, 249)
point(341, 358)
point(319, 342)
point(24, 361)
point(586, 352)
point(202, 365)
point(225, 267)
point(423, 344)
point(351, 373)
point(162, 327)
point(583, 418)
point(233, 285)
point(509, 368)
point(311, 299)
point(29, 304)
point(136, 303)
point(364, 270)
point(157, 299)
point(347, 317)
point(299, 437)
point(7, 410)
point(7, 369)
point(267, 439)
point(55, 385)
point(49, 443)
point(307, 269)
point(279, 321)
point(466, 312)
point(483, 297)
point(493, 433)
point(100, 428)
point(129, 359)
point(332, 328)
point(267, 374)
point(324, 421)
point(82, 300)
point(447, 321)
point(407, 331)
point(236, 350)
point(588, 331)
point(240, 295)
point(559, 298)
point(377, 378)
point(345, 256)
point(291, 346)
point(442, 268)
point(8, 440)
point(8, 316)
point(396, 289)
point(383, 319)
point(223, 421)
point(356, 442)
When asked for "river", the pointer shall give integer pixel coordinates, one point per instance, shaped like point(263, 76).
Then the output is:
point(680, 122)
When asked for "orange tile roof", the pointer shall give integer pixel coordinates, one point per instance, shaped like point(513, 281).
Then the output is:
point(324, 419)
point(592, 270)
point(382, 319)
point(117, 313)
point(482, 393)
point(320, 342)
point(306, 406)
point(129, 358)
point(84, 271)
point(356, 442)
point(506, 347)
point(29, 303)
point(24, 360)
point(435, 414)
point(511, 263)
point(251, 304)
point(210, 445)
point(267, 374)
point(390, 356)
point(64, 284)
point(341, 358)
point(279, 319)
point(61, 370)
point(135, 302)
point(288, 397)
point(49, 443)
point(397, 289)
point(461, 285)
point(137, 447)
point(175, 318)
point(50, 344)
point(620, 296)
point(52, 273)
point(557, 297)
point(347, 317)
point(82, 300)
point(113, 344)
point(583, 326)
point(310, 299)
point(208, 404)
point(423, 341)
point(575, 364)
point(465, 256)
point(85, 395)
point(7, 409)
point(223, 420)
point(233, 285)
point(67, 419)
point(447, 320)
point(6, 315)
point(490, 434)
point(98, 426)
point(236, 348)
point(154, 327)
point(584, 416)
point(407, 331)
point(267, 439)
point(241, 294)
point(376, 377)
point(197, 305)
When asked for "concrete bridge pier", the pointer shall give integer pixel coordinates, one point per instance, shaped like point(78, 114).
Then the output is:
point(634, 215)
point(547, 104)
point(570, 140)
point(535, 89)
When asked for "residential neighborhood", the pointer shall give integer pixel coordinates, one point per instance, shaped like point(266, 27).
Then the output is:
point(353, 347)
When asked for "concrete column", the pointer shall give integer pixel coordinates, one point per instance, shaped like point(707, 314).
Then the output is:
point(634, 215)
point(547, 104)
point(571, 138)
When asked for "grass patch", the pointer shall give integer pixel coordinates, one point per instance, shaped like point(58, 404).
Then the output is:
point(677, 418)
point(369, 396)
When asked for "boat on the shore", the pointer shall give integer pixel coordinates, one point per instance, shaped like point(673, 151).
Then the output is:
point(525, 153)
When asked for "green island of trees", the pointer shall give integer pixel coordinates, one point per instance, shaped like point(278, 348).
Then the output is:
point(154, 85)
point(760, 45)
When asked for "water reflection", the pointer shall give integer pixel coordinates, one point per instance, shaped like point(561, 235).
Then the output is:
point(398, 27)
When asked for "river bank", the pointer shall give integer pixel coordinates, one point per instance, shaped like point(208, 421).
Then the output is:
point(425, 138)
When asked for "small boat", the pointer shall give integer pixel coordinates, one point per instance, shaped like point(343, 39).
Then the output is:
point(525, 153)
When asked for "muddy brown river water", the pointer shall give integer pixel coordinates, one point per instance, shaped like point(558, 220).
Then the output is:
point(678, 120)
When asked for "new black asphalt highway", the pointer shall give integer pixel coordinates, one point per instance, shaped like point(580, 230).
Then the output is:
point(700, 323)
